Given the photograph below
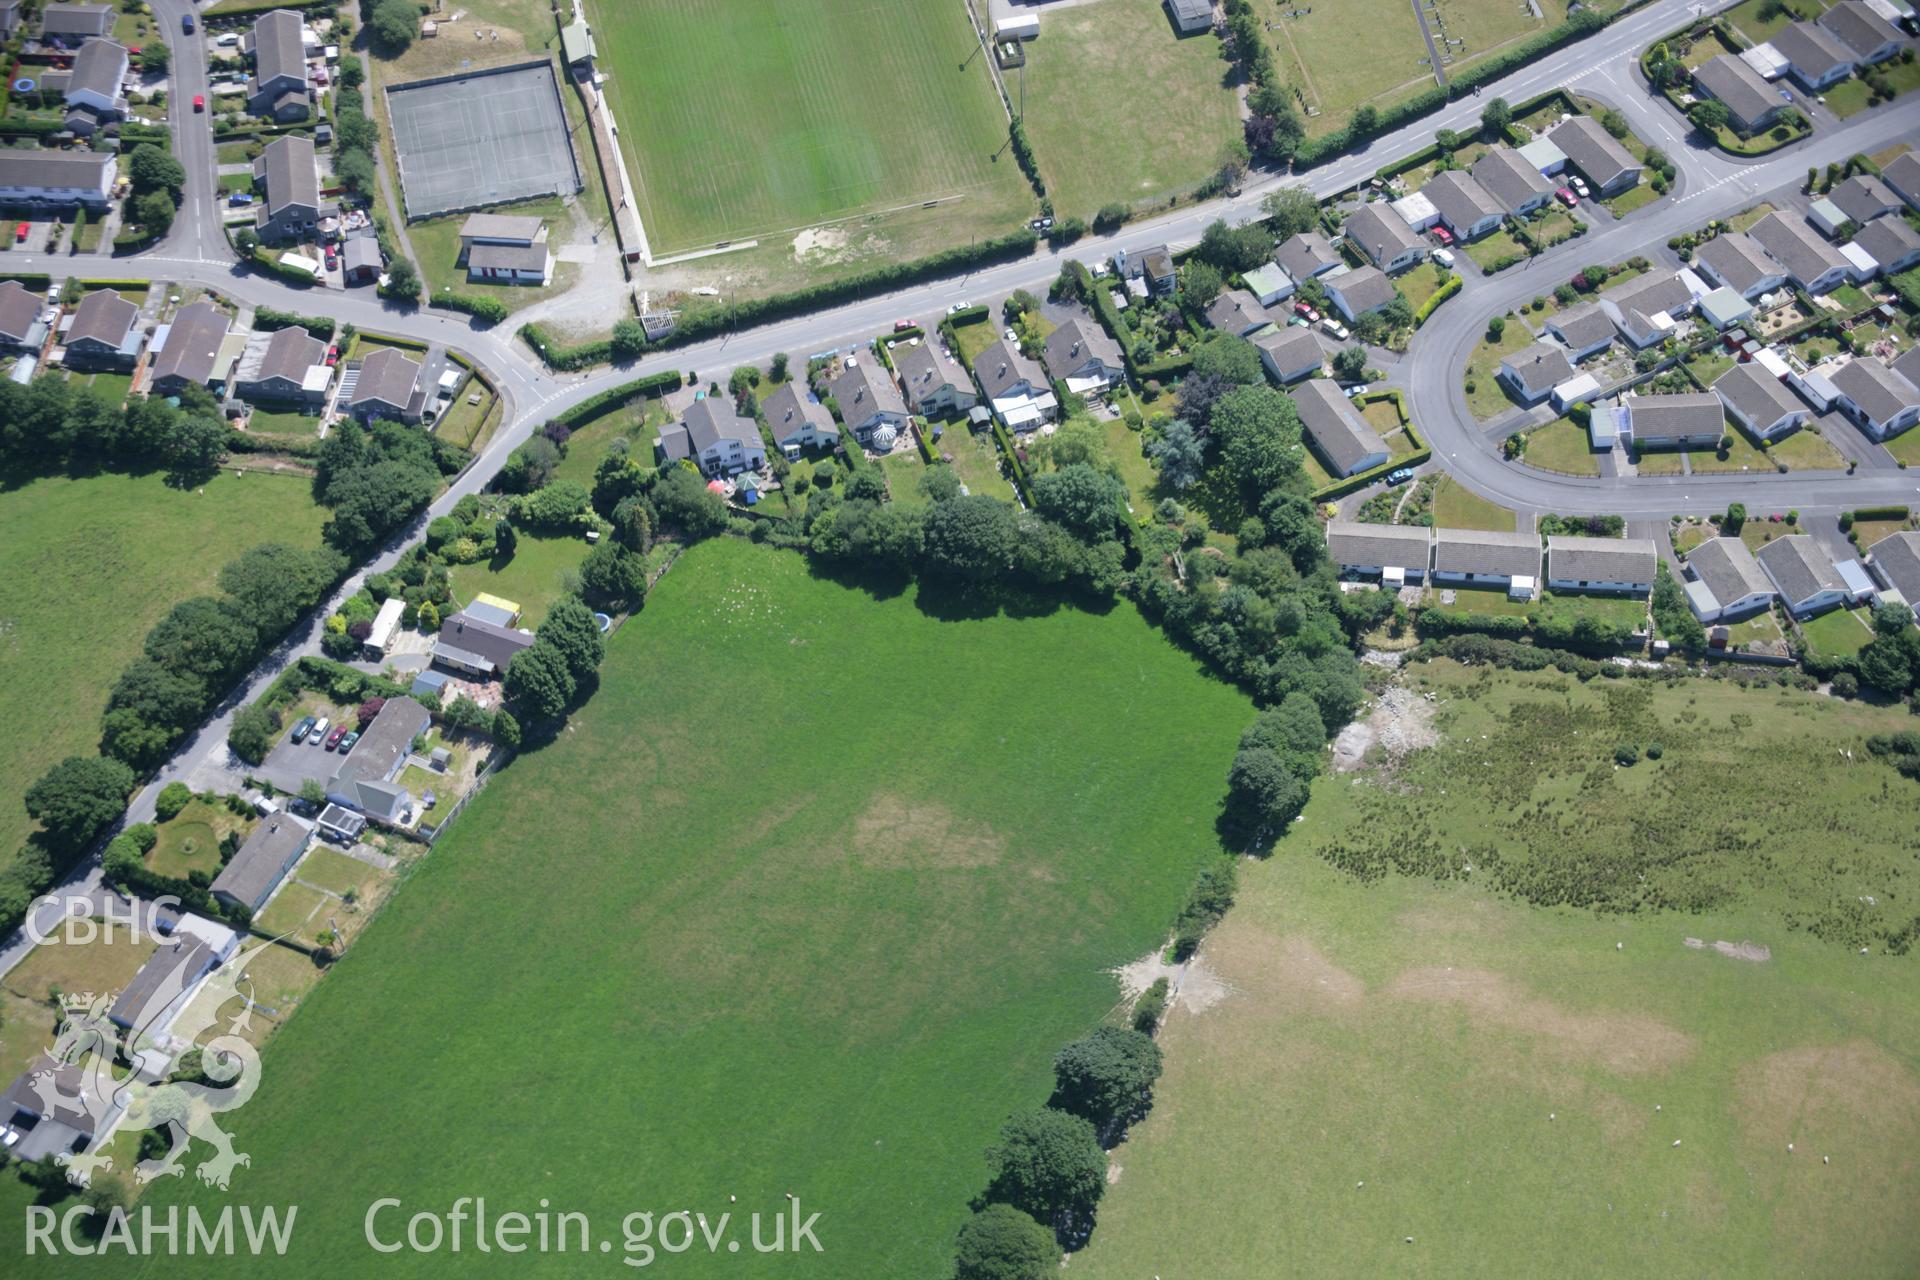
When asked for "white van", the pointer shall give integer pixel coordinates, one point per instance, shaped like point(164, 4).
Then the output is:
point(318, 734)
point(1444, 257)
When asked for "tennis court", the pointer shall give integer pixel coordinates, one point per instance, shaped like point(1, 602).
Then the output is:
point(487, 137)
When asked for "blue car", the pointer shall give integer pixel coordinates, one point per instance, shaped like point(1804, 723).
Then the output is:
point(186, 23)
point(1400, 476)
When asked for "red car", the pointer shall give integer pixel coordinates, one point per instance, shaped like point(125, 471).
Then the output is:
point(333, 739)
point(901, 326)
point(333, 257)
point(1302, 309)
point(1566, 197)
point(199, 102)
point(333, 355)
point(20, 232)
point(1443, 235)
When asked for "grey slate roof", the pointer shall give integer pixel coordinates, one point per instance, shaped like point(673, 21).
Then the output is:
point(1386, 546)
point(1236, 311)
point(1540, 367)
point(28, 168)
point(259, 863)
point(1001, 367)
point(76, 19)
point(1812, 49)
point(1888, 240)
point(500, 226)
point(1897, 557)
point(1858, 27)
point(277, 47)
point(1654, 291)
point(98, 68)
point(19, 310)
point(1799, 568)
point(358, 252)
point(1799, 248)
point(1380, 232)
point(1584, 325)
point(1307, 254)
point(1077, 341)
point(709, 421)
point(1509, 179)
point(1760, 397)
point(1673, 417)
point(864, 389)
point(286, 169)
point(1460, 198)
point(176, 965)
point(508, 257)
point(1877, 390)
point(389, 738)
point(1903, 174)
point(1500, 555)
point(72, 1092)
point(1738, 259)
point(1363, 288)
point(387, 377)
point(1907, 365)
point(1293, 347)
point(1863, 197)
point(1581, 559)
point(103, 316)
point(1593, 150)
point(788, 411)
point(1728, 569)
point(925, 368)
point(290, 353)
point(1343, 437)
point(193, 344)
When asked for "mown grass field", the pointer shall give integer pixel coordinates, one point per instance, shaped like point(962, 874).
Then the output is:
point(86, 567)
point(1109, 79)
point(758, 118)
point(804, 900)
point(1529, 1090)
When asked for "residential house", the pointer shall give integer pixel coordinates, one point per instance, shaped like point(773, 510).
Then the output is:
point(1268, 283)
point(1810, 261)
point(868, 400)
point(1689, 420)
point(1345, 441)
point(1760, 402)
point(388, 387)
point(1516, 185)
point(1601, 564)
point(1532, 372)
point(718, 440)
point(935, 384)
point(798, 421)
point(1387, 242)
point(103, 333)
point(477, 647)
point(1903, 175)
point(1237, 312)
point(1803, 575)
point(1737, 261)
point(1290, 353)
point(503, 249)
point(278, 88)
point(360, 260)
point(1730, 581)
point(1306, 255)
point(190, 354)
point(1646, 307)
point(93, 86)
point(1877, 398)
point(290, 186)
point(9, 17)
point(1723, 308)
point(261, 862)
point(20, 323)
point(1585, 329)
point(1870, 37)
point(1607, 166)
point(1891, 244)
point(1466, 207)
point(1080, 354)
point(50, 1110)
point(1865, 197)
point(366, 779)
point(1395, 554)
point(1815, 58)
point(1544, 156)
point(1895, 559)
point(56, 178)
point(1477, 558)
point(1015, 386)
point(1190, 16)
point(1416, 210)
point(70, 25)
point(1826, 217)
point(287, 366)
point(1152, 266)
point(1361, 292)
point(159, 991)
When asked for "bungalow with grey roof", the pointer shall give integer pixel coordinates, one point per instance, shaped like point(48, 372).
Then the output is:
point(1600, 158)
point(1577, 563)
point(1290, 353)
point(61, 178)
point(69, 24)
point(388, 386)
point(102, 335)
point(366, 780)
point(477, 647)
point(1802, 574)
point(1895, 560)
point(1809, 260)
point(1081, 354)
point(20, 323)
point(1730, 581)
point(1306, 255)
point(92, 91)
point(1517, 186)
point(1760, 402)
point(1343, 439)
point(160, 990)
point(1737, 261)
point(719, 441)
point(1585, 329)
point(1878, 399)
point(1533, 372)
point(798, 421)
point(1902, 173)
point(277, 89)
point(1864, 197)
point(50, 1110)
point(1237, 312)
point(191, 354)
point(1870, 37)
point(1015, 387)
point(261, 862)
point(1891, 244)
point(1815, 58)
point(1395, 554)
point(934, 382)
point(1360, 292)
point(1463, 204)
point(1686, 420)
point(867, 399)
point(1750, 101)
point(1479, 558)
point(1645, 307)
point(284, 171)
point(504, 249)
point(287, 366)
point(1384, 237)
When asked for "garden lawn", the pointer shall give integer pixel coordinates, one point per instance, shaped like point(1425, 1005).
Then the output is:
point(1564, 446)
point(1537, 1091)
point(1905, 447)
point(86, 567)
point(903, 472)
point(437, 242)
point(1741, 456)
point(1839, 632)
point(61, 963)
point(634, 421)
point(1497, 251)
point(813, 934)
point(1804, 450)
point(976, 459)
point(535, 576)
point(1747, 17)
point(1851, 95)
point(1112, 71)
point(1457, 507)
point(1489, 399)
point(283, 422)
point(763, 117)
point(191, 840)
point(1422, 283)
point(1127, 449)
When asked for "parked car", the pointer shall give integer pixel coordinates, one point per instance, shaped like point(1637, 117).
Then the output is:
point(333, 257)
point(1400, 475)
point(318, 733)
point(199, 102)
point(1335, 328)
point(301, 730)
point(186, 23)
point(240, 199)
point(20, 232)
point(346, 743)
point(333, 739)
point(1443, 235)
point(957, 308)
point(333, 354)
point(1579, 186)
point(901, 326)
point(1566, 197)
point(1444, 257)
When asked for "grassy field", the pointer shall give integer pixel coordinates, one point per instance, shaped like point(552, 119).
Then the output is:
point(1562, 445)
point(1112, 71)
point(760, 118)
point(535, 576)
point(808, 933)
point(1537, 1091)
point(87, 566)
